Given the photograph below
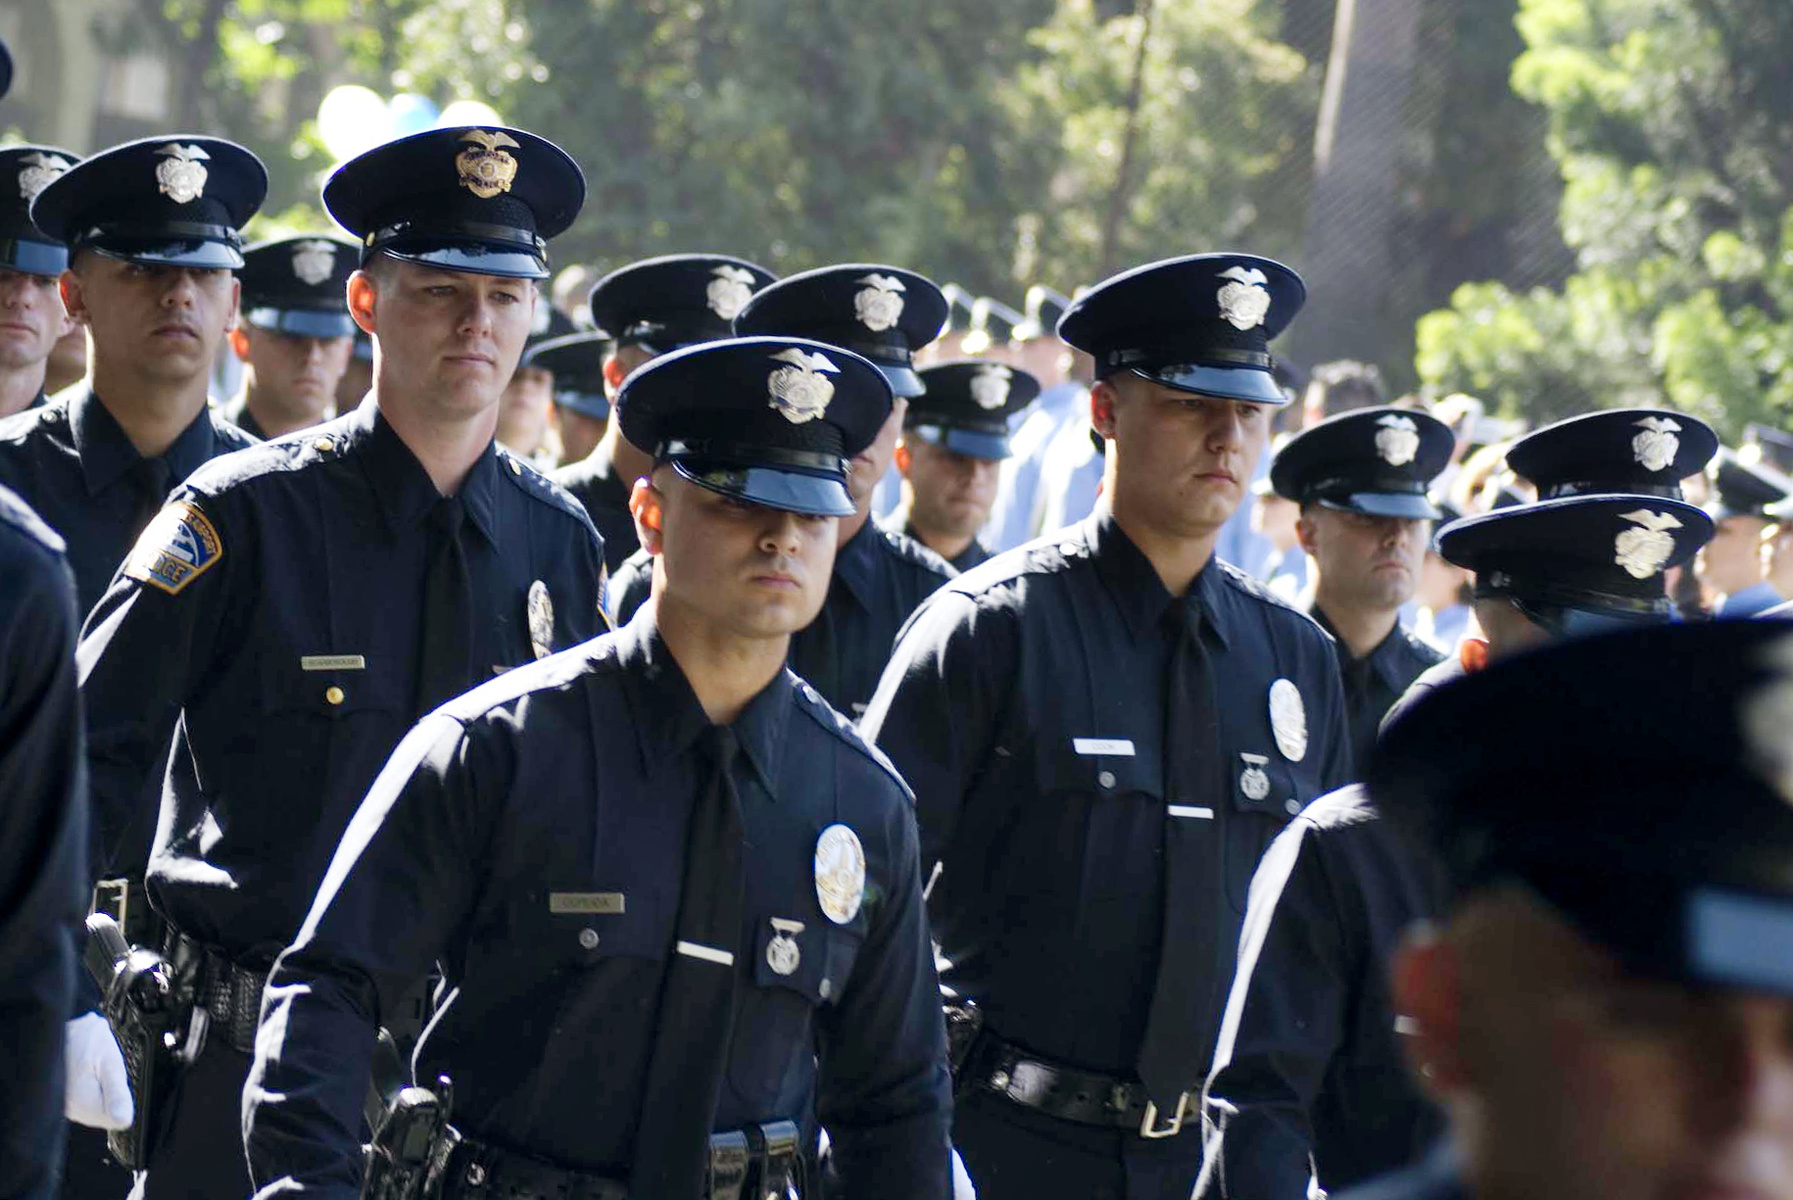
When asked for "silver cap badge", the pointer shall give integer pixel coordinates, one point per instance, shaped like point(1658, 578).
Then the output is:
point(800, 392)
point(181, 173)
point(728, 291)
point(840, 873)
point(39, 172)
point(1656, 446)
point(782, 952)
point(879, 304)
point(1245, 301)
point(1397, 440)
point(1288, 720)
point(313, 261)
point(990, 386)
point(1253, 781)
point(1643, 551)
point(541, 620)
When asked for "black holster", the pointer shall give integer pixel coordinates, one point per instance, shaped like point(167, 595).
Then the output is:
point(411, 1144)
point(964, 1024)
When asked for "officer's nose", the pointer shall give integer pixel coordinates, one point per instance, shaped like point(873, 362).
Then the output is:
point(783, 533)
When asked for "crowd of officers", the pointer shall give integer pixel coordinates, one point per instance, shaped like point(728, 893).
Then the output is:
point(834, 735)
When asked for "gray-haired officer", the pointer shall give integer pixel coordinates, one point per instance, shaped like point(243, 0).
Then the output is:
point(1361, 479)
point(1604, 1005)
point(31, 262)
point(955, 440)
point(650, 308)
point(1104, 729)
point(678, 899)
point(1309, 1078)
point(295, 336)
point(295, 608)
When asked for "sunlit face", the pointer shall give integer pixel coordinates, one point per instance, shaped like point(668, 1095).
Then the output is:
point(157, 322)
point(1369, 563)
point(752, 571)
point(1575, 1077)
point(523, 409)
point(1182, 461)
point(451, 338)
point(32, 319)
point(952, 493)
point(296, 374)
point(1732, 560)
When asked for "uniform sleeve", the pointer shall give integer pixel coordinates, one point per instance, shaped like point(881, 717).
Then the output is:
point(403, 878)
point(43, 869)
point(939, 705)
point(884, 1095)
point(152, 635)
point(1284, 1021)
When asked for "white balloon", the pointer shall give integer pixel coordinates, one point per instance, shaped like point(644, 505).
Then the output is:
point(468, 112)
point(352, 119)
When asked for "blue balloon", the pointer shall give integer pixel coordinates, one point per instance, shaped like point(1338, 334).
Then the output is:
point(410, 113)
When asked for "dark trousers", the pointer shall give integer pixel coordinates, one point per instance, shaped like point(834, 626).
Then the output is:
point(199, 1154)
point(89, 1172)
point(1015, 1153)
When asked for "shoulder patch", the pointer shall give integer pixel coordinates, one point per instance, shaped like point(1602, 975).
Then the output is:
point(179, 546)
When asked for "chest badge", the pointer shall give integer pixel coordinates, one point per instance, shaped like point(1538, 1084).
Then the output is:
point(541, 620)
point(1253, 781)
point(1288, 720)
point(782, 952)
point(840, 873)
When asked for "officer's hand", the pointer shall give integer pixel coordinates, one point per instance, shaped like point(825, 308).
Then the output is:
point(99, 1091)
point(962, 1189)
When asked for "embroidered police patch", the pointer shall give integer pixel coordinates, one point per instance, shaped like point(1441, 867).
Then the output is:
point(179, 546)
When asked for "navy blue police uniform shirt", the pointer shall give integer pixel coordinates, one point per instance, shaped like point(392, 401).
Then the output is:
point(276, 610)
point(1025, 705)
point(1374, 682)
point(1309, 1072)
point(974, 555)
point(576, 776)
point(593, 482)
point(72, 462)
point(43, 842)
point(880, 578)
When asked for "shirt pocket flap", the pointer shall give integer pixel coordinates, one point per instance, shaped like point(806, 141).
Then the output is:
point(812, 961)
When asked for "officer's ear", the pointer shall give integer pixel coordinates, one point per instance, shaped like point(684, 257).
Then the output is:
point(239, 342)
point(363, 293)
point(903, 458)
point(1102, 397)
point(1426, 983)
point(74, 302)
point(236, 305)
point(648, 507)
point(614, 373)
point(1304, 529)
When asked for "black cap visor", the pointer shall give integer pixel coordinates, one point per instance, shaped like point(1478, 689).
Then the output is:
point(1409, 505)
point(788, 489)
point(456, 251)
point(199, 253)
point(904, 382)
point(29, 257)
point(586, 404)
point(972, 443)
point(1253, 385)
point(302, 322)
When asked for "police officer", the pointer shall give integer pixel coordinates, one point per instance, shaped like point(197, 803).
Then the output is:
point(526, 408)
point(43, 858)
point(581, 409)
point(1361, 479)
point(295, 336)
point(1731, 564)
point(993, 326)
point(955, 442)
point(298, 607)
point(678, 898)
point(1309, 1077)
point(1062, 396)
point(1103, 731)
point(1604, 1006)
point(152, 233)
point(32, 319)
point(649, 308)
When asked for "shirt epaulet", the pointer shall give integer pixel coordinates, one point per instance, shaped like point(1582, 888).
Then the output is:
point(537, 485)
point(22, 517)
point(913, 551)
point(822, 713)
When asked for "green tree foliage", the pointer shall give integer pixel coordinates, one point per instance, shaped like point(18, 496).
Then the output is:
point(1668, 121)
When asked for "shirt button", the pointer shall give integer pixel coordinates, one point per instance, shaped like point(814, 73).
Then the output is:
point(324, 444)
point(1106, 779)
point(516, 467)
point(827, 988)
point(334, 694)
point(588, 938)
point(1291, 807)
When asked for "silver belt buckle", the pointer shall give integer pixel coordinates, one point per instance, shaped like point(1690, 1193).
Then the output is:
point(1149, 1127)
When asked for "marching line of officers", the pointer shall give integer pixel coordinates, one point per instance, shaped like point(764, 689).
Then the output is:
point(728, 814)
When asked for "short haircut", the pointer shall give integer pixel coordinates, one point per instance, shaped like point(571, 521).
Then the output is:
point(1345, 384)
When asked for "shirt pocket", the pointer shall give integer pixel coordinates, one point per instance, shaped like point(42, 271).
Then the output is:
point(1266, 791)
point(794, 972)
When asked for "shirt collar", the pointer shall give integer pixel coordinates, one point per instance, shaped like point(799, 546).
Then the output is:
point(404, 489)
point(106, 453)
point(855, 563)
point(1384, 660)
point(668, 716)
point(1133, 584)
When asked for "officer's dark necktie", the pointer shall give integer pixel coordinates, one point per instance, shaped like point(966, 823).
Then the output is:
point(444, 647)
point(149, 480)
point(1173, 1055)
point(693, 1028)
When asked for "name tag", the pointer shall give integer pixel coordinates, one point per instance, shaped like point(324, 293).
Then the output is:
point(1109, 747)
point(606, 903)
point(1190, 810)
point(332, 662)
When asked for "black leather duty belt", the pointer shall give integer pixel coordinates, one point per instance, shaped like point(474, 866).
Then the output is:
point(229, 992)
point(1070, 1094)
point(747, 1164)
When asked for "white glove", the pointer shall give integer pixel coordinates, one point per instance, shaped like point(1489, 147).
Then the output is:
point(99, 1091)
point(962, 1189)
